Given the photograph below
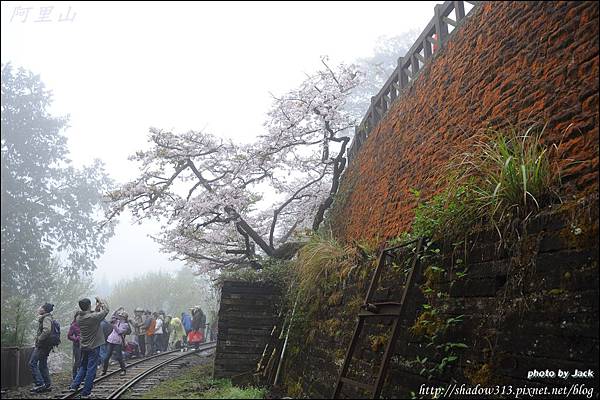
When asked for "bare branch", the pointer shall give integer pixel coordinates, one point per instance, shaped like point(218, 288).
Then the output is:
point(203, 181)
point(288, 201)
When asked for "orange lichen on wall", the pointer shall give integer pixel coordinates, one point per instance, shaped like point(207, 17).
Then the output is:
point(511, 63)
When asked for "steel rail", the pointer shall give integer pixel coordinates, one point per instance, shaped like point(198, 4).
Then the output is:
point(103, 378)
point(121, 390)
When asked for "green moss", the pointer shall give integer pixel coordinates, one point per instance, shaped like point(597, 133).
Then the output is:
point(294, 390)
point(428, 324)
point(579, 235)
point(331, 326)
point(377, 342)
point(368, 248)
point(294, 351)
point(582, 231)
point(335, 299)
point(340, 354)
point(433, 275)
point(223, 389)
point(197, 384)
point(353, 305)
point(310, 338)
point(452, 210)
point(479, 375)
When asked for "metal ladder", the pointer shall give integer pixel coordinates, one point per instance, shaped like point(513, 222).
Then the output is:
point(375, 310)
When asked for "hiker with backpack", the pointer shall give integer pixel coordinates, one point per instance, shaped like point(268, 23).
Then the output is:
point(74, 336)
point(47, 337)
point(116, 340)
point(91, 338)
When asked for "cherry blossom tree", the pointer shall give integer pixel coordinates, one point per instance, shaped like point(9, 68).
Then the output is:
point(210, 193)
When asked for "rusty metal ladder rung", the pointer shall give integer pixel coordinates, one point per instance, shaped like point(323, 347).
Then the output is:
point(383, 309)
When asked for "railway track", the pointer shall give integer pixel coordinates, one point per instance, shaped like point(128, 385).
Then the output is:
point(113, 385)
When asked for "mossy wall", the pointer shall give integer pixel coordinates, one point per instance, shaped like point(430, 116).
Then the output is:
point(511, 62)
point(527, 303)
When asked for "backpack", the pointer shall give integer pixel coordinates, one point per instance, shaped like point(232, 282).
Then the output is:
point(128, 331)
point(54, 338)
point(195, 337)
point(187, 323)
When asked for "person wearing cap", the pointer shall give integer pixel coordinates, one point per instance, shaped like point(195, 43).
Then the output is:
point(139, 329)
point(116, 340)
point(39, 357)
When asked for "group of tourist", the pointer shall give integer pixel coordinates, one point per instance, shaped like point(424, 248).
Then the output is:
point(95, 340)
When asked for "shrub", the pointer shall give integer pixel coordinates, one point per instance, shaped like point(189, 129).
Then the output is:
point(447, 211)
point(322, 263)
point(508, 175)
point(512, 171)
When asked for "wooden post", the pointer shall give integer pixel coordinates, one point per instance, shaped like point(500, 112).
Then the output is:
point(427, 49)
point(402, 78)
point(394, 86)
point(459, 10)
point(374, 113)
point(441, 28)
point(414, 61)
point(354, 146)
point(18, 368)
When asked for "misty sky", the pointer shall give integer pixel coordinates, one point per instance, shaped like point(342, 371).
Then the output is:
point(119, 68)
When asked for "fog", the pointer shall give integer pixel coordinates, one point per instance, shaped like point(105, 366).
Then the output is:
point(118, 68)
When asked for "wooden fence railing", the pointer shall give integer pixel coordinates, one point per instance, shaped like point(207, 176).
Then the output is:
point(434, 37)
